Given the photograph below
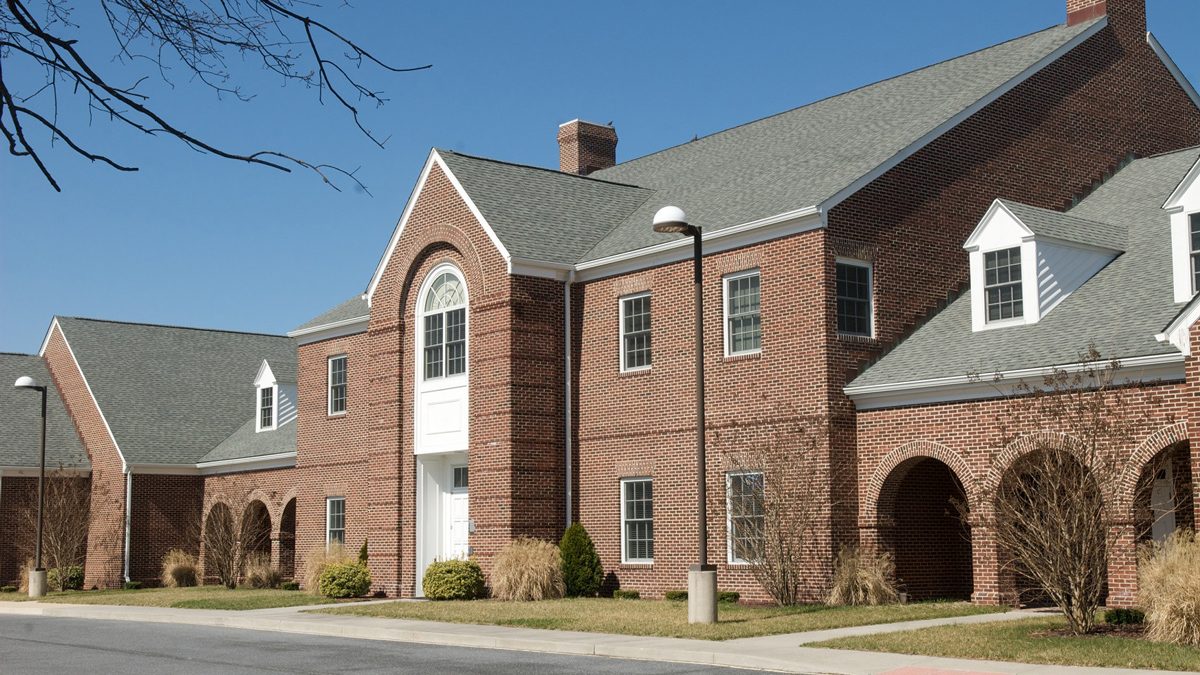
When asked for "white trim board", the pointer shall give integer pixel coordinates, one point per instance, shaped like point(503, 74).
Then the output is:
point(280, 460)
point(328, 331)
point(33, 471)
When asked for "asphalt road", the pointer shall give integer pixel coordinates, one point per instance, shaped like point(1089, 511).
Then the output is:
point(56, 645)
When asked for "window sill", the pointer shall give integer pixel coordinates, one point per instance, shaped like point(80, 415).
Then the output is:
point(865, 340)
point(634, 565)
point(747, 356)
point(636, 372)
point(334, 416)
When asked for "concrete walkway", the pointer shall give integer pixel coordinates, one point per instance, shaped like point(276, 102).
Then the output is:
point(782, 653)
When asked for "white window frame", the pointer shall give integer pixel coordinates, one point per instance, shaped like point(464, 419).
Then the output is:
point(621, 317)
point(1025, 301)
point(443, 380)
point(625, 559)
point(328, 516)
point(258, 408)
point(329, 386)
point(725, 311)
point(851, 262)
point(1193, 219)
point(729, 556)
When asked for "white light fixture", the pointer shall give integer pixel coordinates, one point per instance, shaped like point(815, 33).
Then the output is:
point(671, 219)
point(25, 382)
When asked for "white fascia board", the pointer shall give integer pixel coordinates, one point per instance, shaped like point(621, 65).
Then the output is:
point(1173, 202)
point(1149, 369)
point(434, 159)
point(33, 471)
point(86, 385)
point(280, 460)
point(527, 267)
point(716, 241)
point(972, 242)
point(1167, 61)
point(265, 377)
point(1177, 332)
point(331, 330)
point(949, 124)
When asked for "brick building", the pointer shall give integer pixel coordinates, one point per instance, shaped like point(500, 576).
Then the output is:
point(522, 358)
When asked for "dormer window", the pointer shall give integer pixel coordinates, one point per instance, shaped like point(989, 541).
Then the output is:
point(1195, 241)
point(266, 408)
point(1002, 278)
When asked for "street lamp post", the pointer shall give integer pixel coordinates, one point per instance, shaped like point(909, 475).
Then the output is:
point(37, 576)
point(702, 577)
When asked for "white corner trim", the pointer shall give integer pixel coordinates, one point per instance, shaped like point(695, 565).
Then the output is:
point(434, 159)
point(86, 385)
point(280, 460)
point(33, 471)
point(1167, 61)
point(949, 124)
point(332, 330)
point(1161, 367)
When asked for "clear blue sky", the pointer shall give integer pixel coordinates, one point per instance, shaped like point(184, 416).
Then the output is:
point(198, 241)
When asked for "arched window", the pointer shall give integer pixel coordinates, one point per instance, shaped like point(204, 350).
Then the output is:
point(444, 325)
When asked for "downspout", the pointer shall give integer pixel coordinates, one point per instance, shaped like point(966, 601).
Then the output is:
point(567, 391)
point(128, 515)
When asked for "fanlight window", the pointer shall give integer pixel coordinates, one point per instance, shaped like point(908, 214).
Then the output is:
point(445, 327)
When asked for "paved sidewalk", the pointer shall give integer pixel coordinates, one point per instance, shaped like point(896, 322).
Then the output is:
point(782, 653)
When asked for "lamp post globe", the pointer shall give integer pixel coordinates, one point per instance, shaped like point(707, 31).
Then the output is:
point(37, 575)
point(671, 219)
point(25, 382)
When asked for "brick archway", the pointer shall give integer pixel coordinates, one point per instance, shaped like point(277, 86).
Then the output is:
point(1150, 448)
point(1045, 440)
point(874, 492)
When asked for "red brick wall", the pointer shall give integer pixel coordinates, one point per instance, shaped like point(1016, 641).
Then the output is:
point(274, 488)
point(165, 515)
point(17, 496)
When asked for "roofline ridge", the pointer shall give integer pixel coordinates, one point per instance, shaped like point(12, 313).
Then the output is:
point(167, 325)
point(849, 91)
point(1055, 211)
point(17, 354)
point(542, 168)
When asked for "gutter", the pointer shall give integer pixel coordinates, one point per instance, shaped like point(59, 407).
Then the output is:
point(281, 460)
point(128, 516)
point(567, 369)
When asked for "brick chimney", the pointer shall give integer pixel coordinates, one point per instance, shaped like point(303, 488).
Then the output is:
point(1127, 17)
point(584, 147)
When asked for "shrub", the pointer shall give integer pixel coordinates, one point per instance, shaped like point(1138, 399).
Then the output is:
point(1125, 617)
point(132, 585)
point(620, 594)
point(290, 585)
point(863, 578)
point(69, 578)
point(8, 589)
point(259, 572)
point(1169, 589)
point(676, 595)
point(179, 569)
point(453, 580)
point(362, 553)
point(581, 569)
point(344, 580)
point(528, 569)
point(315, 562)
point(728, 596)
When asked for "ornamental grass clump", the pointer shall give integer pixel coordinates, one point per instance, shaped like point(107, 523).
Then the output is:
point(453, 580)
point(528, 569)
point(317, 559)
point(1169, 589)
point(581, 569)
point(259, 573)
point(179, 569)
point(863, 578)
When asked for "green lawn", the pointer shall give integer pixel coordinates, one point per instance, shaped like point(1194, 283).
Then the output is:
point(1020, 641)
point(200, 597)
point(658, 617)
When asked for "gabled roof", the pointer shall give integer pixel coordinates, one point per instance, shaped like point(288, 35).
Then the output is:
point(172, 394)
point(21, 415)
point(350, 310)
point(1121, 309)
point(245, 443)
point(1068, 227)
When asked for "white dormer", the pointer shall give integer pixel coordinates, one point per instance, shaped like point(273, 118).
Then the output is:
point(1026, 260)
point(274, 401)
point(1184, 207)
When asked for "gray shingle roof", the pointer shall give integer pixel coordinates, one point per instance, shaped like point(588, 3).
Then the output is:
point(354, 308)
point(172, 394)
point(21, 414)
point(1120, 309)
point(246, 442)
point(1069, 227)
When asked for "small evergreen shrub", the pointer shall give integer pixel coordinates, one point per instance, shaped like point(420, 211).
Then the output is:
point(179, 569)
point(621, 594)
point(453, 580)
point(260, 573)
point(132, 585)
point(290, 585)
point(676, 595)
point(863, 578)
point(8, 589)
point(345, 580)
point(1125, 617)
point(728, 596)
point(315, 562)
point(581, 569)
point(1169, 589)
point(528, 569)
point(69, 578)
point(362, 553)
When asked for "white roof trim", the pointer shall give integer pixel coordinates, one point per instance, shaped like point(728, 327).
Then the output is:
point(1177, 332)
point(972, 241)
point(33, 471)
point(949, 124)
point(1165, 367)
point(42, 353)
point(1163, 56)
point(332, 330)
point(434, 159)
point(1190, 177)
point(281, 460)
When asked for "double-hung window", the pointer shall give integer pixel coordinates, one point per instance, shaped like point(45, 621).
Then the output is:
point(743, 319)
point(266, 408)
point(637, 520)
point(335, 521)
point(635, 332)
point(445, 328)
point(853, 298)
point(745, 495)
point(1194, 222)
point(1002, 284)
point(337, 385)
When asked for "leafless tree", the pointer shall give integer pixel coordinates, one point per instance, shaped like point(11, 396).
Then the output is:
point(64, 520)
point(781, 503)
point(178, 40)
point(232, 533)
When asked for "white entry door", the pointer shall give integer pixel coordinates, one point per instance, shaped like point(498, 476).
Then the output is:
point(1162, 504)
point(460, 522)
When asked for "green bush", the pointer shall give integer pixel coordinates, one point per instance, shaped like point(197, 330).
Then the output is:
point(453, 580)
point(675, 595)
point(728, 596)
point(132, 585)
point(8, 589)
point(290, 585)
point(581, 568)
point(620, 594)
point(1125, 617)
point(68, 579)
point(345, 580)
point(362, 553)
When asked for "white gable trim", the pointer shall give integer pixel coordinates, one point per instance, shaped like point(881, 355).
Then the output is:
point(1173, 69)
point(79, 369)
point(434, 159)
point(972, 243)
point(282, 460)
point(265, 377)
point(332, 330)
point(1177, 332)
point(1175, 200)
point(949, 124)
